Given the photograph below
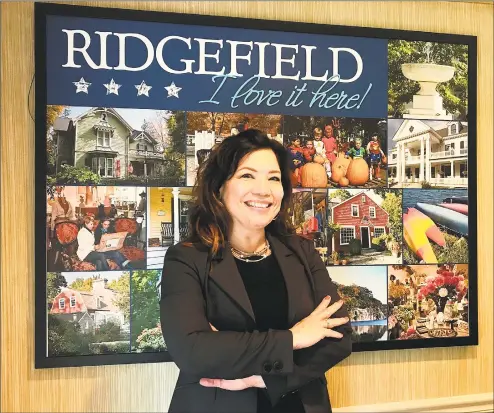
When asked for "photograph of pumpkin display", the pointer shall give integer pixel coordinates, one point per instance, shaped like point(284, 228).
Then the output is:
point(327, 152)
point(364, 291)
point(427, 301)
point(364, 226)
point(435, 226)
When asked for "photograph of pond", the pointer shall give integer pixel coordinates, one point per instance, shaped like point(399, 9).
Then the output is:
point(364, 290)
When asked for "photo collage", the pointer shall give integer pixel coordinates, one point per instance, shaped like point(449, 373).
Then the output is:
point(385, 202)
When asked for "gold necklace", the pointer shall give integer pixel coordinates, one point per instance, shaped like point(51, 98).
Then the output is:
point(252, 256)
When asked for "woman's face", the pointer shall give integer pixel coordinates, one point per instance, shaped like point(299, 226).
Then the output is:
point(90, 225)
point(254, 193)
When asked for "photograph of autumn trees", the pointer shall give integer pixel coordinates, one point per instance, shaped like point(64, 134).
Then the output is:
point(330, 152)
point(109, 146)
point(207, 129)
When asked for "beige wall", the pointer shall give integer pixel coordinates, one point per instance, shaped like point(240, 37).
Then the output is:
point(365, 378)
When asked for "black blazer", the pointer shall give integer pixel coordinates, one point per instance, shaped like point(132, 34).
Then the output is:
point(237, 350)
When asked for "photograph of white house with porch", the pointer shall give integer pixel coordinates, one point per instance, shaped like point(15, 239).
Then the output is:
point(427, 153)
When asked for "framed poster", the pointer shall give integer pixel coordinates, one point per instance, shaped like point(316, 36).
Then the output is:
point(380, 126)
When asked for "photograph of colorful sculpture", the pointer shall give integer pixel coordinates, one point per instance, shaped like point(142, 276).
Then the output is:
point(435, 226)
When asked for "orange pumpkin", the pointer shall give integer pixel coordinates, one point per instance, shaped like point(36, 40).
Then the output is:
point(339, 168)
point(318, 159)
point(344, 181)
point(358, 172)
point(314, 176)
point(337, 173)
point(341, 160)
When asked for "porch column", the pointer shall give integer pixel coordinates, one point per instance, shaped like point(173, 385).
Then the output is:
point(403, 162)
point(176, 216)
point(452, 169)
point(421, 172)
point(428, 159)
point(398, 163)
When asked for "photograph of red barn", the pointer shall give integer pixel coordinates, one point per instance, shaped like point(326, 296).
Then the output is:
point(362, 227)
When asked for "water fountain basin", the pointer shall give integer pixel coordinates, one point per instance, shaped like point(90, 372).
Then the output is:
point(427, 72)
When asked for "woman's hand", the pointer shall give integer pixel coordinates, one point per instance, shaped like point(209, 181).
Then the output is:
point(318, 325)
point(233, 385)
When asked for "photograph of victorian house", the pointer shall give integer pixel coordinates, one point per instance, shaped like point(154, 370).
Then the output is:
point(115, 146)
point(427, 153)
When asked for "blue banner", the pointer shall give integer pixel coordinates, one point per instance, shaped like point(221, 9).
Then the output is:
point(133, 64)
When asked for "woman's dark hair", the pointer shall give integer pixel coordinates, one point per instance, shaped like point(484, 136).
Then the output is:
point(209, 221)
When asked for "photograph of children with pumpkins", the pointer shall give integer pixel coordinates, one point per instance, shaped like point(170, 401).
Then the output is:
point(427, 301)
point(328, 152)
point(96, 228)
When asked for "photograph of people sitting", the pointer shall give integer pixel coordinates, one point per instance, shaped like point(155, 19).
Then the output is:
point(75, 232)
point(88, 246)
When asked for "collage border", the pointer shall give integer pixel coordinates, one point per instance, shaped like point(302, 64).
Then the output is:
point(43, 10)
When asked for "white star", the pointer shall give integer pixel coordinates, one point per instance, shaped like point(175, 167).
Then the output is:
point(173, 90)
point(112, 87)
point(143, 89)
point(82, 85)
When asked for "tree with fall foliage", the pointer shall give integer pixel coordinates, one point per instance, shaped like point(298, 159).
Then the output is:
point(52, 113)
point(222, 123)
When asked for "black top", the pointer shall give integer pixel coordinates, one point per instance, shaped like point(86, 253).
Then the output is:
point(268, 296)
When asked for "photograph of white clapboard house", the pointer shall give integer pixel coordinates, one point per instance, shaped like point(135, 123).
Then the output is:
point(427, 154)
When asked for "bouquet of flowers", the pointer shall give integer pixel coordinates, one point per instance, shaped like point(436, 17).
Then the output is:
point(445, 285)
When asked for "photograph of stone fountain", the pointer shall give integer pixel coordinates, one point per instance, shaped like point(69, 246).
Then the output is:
point(427, 80)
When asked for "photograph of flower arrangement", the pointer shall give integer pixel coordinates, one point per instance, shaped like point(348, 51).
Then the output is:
point(364, 226)
point(207, 129)
point(145, 334)
point(428, 301)
point(364, 290)
point(96, 228)
point(112, 146)
point(435, 226)
point(427, 80)
point(88, 313)
point(336, 152)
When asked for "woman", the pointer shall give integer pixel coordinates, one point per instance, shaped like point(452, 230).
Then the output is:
point(248, 311)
